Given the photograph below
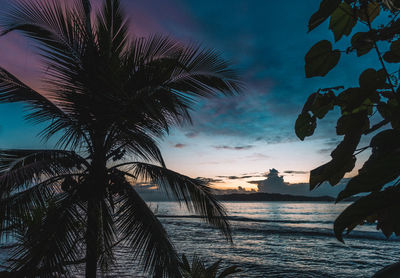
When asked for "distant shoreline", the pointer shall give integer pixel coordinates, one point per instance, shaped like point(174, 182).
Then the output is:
point(262, 197)
point(267, 197)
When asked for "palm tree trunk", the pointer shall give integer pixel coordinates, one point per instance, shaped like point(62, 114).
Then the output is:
point(95, 196)
point(92, 239)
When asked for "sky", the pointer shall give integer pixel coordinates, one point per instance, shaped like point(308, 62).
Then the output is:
point(247, 140)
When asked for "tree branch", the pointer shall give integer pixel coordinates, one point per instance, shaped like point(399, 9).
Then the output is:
point(376, 127)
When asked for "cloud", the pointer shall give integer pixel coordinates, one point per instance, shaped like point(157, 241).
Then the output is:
point(258, 156)
point(274, 183)
point(325, 151)
point(276, 87)
point(295, 172)
point(330, 144)
point(210, 180)
point(192, 134)
point(236, 148)
point(236, 177)
point(179, 146)
point(254, 174)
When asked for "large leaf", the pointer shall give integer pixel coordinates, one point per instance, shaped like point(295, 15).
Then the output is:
point(332, 171)
point(371, 79)
point(305, 125)
point(390, 111)
point(346, 124)
point(326, 8)
point(342, 21)
point(356, 100)
point(319, 104)
point(380, 168)
point(382, 207)
point(393, 55)
point(320, 59)
point(363, 42)
point(322, 104)
point(343, 161)
point(370, 12)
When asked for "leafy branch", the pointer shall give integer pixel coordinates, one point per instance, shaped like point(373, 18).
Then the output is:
point(376, 96)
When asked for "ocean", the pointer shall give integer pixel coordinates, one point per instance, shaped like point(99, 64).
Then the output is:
point(283, 239)
point(275, 239)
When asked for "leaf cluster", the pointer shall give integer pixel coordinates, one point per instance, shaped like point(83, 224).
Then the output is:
point(372, 107)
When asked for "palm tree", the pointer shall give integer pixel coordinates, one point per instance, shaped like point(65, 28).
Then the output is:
point(199, 270)
point(108, 99)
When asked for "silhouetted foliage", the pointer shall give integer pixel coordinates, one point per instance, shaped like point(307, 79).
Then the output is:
point(199, 270)
point(108, 99)
point(373, 107)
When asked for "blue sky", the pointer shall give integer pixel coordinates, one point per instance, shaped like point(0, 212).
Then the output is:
point(243, 136)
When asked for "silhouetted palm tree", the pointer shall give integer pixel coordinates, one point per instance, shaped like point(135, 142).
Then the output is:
point(108, 99)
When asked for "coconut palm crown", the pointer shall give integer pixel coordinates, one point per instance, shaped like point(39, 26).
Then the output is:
point(108, 99)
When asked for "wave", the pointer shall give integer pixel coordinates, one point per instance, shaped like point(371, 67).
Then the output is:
point(315, 232)
point(245, 219)
point(294, 231)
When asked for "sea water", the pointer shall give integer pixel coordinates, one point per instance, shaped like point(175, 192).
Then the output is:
point(273, 239)
point(283, 239)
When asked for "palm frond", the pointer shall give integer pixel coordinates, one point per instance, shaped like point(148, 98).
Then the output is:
point(21, 204)
point(145, 235)
point(51, 240)
point(39, 108)
point(169, 78)
point(185, 263)
point(199, 270)
point(213, 269)
point(135, 143)
point(19, 168)
point(112, 30)
point(187, 71)
point(13, 90)
point(195, 193)
point(203, 72)
point(229, 270)
point(107, 237)
point(145, 50)
point(62, 43)
point(59, 30)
